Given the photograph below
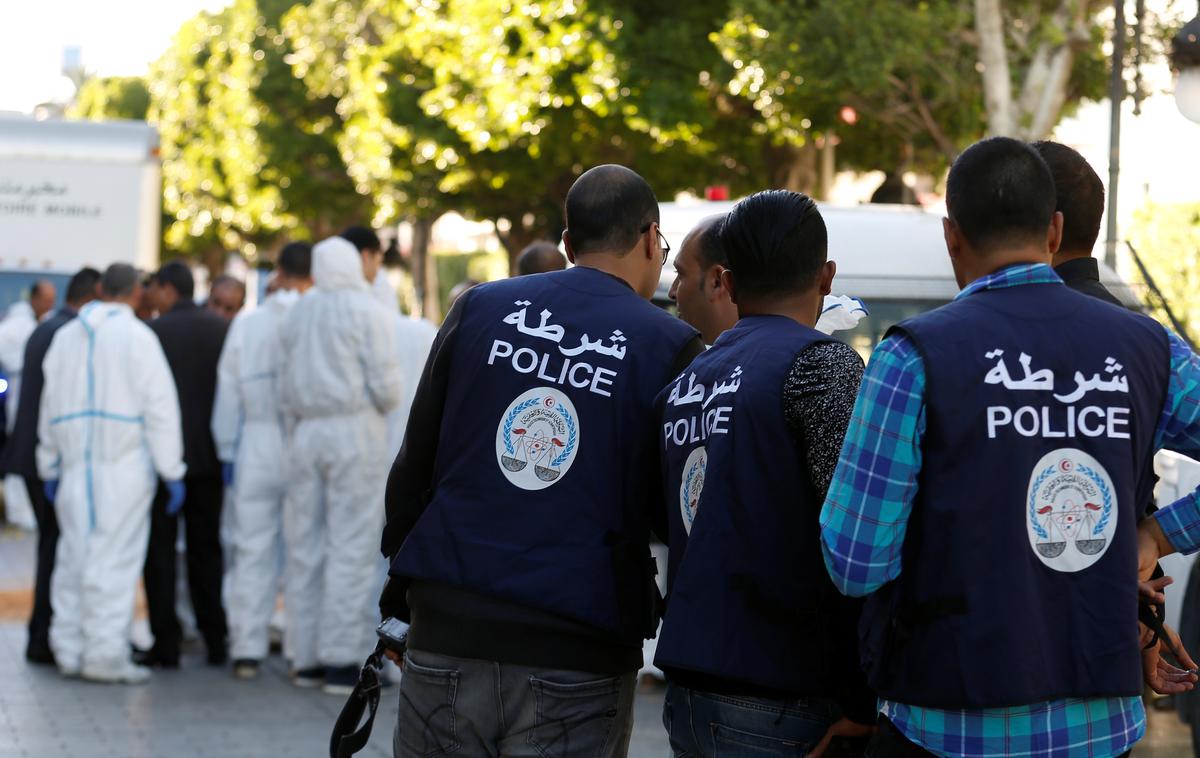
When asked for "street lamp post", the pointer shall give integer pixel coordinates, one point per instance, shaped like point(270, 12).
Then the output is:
point(1116, 95)
point(1185, 58)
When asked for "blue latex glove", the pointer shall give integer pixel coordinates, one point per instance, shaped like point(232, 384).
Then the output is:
point(176, 491)
point(50, 487)
point(227, 474)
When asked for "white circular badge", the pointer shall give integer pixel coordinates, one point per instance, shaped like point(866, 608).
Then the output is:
point(537, 439)
point(691, 486)
point(1071, 510)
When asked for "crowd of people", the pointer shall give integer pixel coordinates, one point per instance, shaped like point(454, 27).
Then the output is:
point(269, 432)
point(941, 552)
point(985, 482)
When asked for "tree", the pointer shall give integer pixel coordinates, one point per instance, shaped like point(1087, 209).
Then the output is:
point(896, 85)
point(115, 97)
point(1167, 239)
point(248, 155)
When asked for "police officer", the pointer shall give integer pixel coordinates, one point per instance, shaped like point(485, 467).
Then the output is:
point(990, 486)
point(520, 506)
point(757, 644)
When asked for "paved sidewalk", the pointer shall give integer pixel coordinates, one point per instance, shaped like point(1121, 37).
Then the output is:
point(195, 711)
point(201, 711)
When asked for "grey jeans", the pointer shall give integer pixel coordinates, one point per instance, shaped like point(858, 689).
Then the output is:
point(469, 707)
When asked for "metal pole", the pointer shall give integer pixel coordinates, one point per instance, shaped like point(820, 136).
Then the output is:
point(1116, 93)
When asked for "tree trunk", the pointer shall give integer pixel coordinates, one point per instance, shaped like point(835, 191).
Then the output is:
point(214, 260)
point(421, 231)
point(993, 56)
point(515, 240)
point(792, 168)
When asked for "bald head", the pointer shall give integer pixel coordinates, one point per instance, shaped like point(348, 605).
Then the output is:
point(607, 209)
point(703, 238)
point(540, 257)
point(42, 296)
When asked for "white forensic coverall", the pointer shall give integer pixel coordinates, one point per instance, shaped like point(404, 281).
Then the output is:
point(248, 429)
point(109, 427)
point(15, 329)
point(340, 380)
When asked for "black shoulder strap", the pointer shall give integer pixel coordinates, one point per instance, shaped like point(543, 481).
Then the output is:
point(348, 738)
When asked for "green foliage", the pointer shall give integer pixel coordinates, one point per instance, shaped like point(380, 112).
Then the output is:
point(114, 97)
point(907, 69)
point(1167, 237)
point(249, 154)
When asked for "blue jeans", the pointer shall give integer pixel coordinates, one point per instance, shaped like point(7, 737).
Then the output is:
point(709, 725)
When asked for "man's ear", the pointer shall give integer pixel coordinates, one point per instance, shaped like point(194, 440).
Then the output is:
point(714, 282)
point(728, 284)
point(828, 271)
point(566, 240)
point(1055, 233)
point(953, 237)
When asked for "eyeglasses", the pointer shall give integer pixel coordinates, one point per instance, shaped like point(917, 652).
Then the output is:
point(662, 240)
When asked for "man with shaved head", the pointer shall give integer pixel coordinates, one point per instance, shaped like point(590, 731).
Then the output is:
point(540, 257)
point(698, 292)
point(520, 508)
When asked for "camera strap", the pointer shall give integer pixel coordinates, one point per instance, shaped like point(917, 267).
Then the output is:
point(348, 737)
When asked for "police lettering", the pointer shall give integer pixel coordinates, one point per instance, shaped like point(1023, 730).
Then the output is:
point(552, 368)
point(1059, 421)
point(686, 431)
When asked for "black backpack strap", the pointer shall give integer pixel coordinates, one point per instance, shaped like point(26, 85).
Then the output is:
point(348, 738)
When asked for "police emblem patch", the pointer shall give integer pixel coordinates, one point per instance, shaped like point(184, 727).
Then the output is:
point(1071, 511)
point(537, 438)
point(692, 485)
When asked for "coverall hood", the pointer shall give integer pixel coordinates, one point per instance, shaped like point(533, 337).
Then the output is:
point(337, 266)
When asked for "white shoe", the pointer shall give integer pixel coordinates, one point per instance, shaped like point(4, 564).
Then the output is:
point(126, 672)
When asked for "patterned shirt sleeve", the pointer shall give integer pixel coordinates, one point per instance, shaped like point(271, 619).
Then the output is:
point(818, 398)
point(866, 513)
point(1179, 431)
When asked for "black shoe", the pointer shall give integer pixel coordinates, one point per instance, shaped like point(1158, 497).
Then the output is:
point(245, 668)
point(155, 659)
point(40, 655)
point(218, 656)
point(308, 678)
point(340, 680)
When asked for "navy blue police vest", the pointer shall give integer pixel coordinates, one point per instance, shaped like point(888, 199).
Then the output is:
point(746, 579)
point(546, 459)
point(1018, 579)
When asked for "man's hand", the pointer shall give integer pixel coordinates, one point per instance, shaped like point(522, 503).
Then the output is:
point(1152, 545)
point(843, 727)
point(1152, 590)
point(394, 657)
point(1159, 675)
point(176, 492)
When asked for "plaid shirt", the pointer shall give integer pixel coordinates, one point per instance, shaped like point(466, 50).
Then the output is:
point(867, 510)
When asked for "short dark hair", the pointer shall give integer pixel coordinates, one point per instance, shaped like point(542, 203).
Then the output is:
point(1079, 193)
point(607, 209)
point(708, 241)
point(118, 280)
point(775, 242)
point(999, 193)
point(83, 285)
point(539, 257)
point(178, 276)
point(362, 238)
point(295, 259)
point(224, 279)
point(33, 288)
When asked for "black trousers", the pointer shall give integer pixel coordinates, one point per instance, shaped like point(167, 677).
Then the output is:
point(47, 544)
point(205, 566)
point(889, 742)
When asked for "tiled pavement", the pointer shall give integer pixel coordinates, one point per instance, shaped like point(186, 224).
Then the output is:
point(200, 711)
point(196, 711)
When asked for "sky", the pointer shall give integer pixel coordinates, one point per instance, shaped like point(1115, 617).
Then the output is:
point(117, 37)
